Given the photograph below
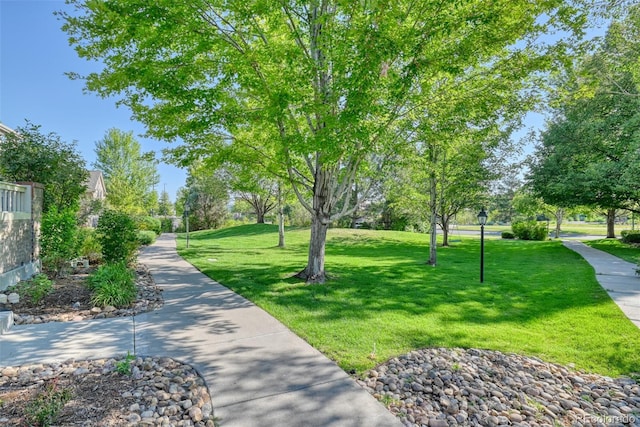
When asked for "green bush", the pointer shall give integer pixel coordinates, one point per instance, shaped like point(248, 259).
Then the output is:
point(146, 237)
point(58, 232)
point(630, 236)
point(117, 235)
point(508, 235)
point(529, 230)
point(112, 284)
point(44, 410)
point(148, 223)
point(34, 289)
point(88, 245)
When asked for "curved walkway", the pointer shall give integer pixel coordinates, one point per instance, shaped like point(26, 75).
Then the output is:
point(259, 373)
point(616, 276)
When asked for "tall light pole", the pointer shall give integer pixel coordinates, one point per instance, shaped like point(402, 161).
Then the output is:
point(186, 220)
point(482, 220)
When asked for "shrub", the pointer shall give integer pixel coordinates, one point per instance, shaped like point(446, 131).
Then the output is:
point(35, 289)
point(88, 245)
point(117, 235)
point(112, 284)
point(58, 239)
point(630, 236)
point(146, 237)
point(529, 230)
point(148, 223)
point(508, 235)
point(44, 410)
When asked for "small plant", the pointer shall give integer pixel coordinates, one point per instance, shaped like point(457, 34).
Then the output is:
point(34, 289)
point(388, 401)
point(508, 235)
point(112, 284)
point(123, 367)
point(43, 411)
point(455, 367)
point(38, 287)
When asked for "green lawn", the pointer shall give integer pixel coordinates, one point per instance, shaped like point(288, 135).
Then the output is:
point(617, 248)
point(538, 298)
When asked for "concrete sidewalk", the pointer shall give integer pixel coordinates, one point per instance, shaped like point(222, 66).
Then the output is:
point(616, 276)
point(259, 373)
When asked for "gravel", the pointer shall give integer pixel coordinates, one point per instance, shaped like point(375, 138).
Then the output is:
point(449, 387)
point(152, 391)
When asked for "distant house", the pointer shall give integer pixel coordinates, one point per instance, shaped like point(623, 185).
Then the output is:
point(93, 200)
point(96, 189)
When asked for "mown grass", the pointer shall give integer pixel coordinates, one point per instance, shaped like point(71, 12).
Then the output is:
point(616, 247)
point(538, 298)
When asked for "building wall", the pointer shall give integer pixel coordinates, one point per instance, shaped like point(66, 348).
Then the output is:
point(20, 219)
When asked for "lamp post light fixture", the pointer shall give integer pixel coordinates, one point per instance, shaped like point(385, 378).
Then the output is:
point(482, 220)
point(186, 220)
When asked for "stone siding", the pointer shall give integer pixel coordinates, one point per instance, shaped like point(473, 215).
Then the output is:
point(19, 233)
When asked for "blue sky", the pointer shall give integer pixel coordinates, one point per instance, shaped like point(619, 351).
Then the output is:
point(34, 55)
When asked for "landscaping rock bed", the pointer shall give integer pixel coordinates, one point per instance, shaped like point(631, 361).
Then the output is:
point(448, 387)
point(108, 392)
point(70, 301)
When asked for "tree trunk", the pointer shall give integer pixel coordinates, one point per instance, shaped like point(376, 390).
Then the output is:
point(260, 216)
point(314, 271)
point(559, 216)
point(321, 217)
point(611, 220)
point(445, 232)
point(280, 219)
point(354, 216)
point(434, 223)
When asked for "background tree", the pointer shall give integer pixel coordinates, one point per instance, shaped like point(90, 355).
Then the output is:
point(207, 195)
point(327, 79)
point(590, 154)
point(165, 207)
point(533, 208)
point(251, 186)
point(30, 155)
point(129, 175)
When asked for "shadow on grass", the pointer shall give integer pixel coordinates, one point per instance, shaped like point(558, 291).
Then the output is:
point(519, 287)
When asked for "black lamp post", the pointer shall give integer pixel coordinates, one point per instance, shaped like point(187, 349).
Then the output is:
point(186, 220)
point(482, 220)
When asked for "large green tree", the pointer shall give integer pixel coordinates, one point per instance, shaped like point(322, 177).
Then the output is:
point(590, 153)
point(130, 175)
point(328, 79)
point(30, 155)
